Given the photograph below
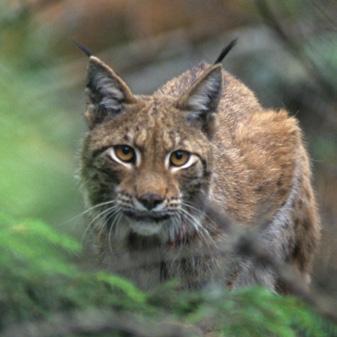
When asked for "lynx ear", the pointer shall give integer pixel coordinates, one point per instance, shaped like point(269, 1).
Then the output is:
point(201, 101)
point(107, 92)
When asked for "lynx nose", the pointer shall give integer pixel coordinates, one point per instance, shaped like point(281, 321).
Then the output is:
point(150, 200)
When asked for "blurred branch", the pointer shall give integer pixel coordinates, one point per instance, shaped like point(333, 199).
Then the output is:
point(96, 322)
point(325, 88)
point(250, 247)
point(325, 14)
point(293, 46)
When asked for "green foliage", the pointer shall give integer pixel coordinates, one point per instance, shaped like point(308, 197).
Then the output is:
point(39, 278)
point(37, 161)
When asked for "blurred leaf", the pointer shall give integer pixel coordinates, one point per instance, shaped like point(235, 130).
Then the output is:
point(37, 167)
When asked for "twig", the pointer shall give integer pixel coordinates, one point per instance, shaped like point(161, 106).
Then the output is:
point(292, 45)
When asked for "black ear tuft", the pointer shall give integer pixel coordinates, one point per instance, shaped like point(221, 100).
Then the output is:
point(83, 48)
point(107, 92)
point(225, 51)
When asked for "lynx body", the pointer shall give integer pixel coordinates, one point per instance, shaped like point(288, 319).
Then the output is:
point(149, 162)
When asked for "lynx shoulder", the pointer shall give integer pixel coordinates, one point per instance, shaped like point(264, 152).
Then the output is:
point(148, 162)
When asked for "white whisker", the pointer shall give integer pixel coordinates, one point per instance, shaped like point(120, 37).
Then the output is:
point(198, 211)
point(117, 216)
point(96, 217)
point(200, 230)
point(87, 211)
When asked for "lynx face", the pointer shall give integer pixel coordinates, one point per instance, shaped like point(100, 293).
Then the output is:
point(146, 160)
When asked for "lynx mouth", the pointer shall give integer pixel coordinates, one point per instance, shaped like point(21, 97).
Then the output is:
point(146, 224)
point(146, 217)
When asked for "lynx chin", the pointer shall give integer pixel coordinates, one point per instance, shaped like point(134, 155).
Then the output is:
point(149, 161)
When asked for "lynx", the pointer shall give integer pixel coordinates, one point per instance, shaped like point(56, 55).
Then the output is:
point(149, 161)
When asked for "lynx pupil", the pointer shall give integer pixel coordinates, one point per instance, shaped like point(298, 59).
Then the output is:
point(126, 150)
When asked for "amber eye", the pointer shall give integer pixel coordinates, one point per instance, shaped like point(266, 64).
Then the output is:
point(125, 153)
point(179, 158)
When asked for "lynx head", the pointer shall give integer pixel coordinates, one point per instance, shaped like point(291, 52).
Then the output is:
point(147, 160)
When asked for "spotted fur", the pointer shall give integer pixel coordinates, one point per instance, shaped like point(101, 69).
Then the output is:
point(249, 161)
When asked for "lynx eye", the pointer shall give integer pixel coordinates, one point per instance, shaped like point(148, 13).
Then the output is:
point(179, 158)
point(125, 153)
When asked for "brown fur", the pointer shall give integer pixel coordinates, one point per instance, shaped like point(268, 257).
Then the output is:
point(251, 163)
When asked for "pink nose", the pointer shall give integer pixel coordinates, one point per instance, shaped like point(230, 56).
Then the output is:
point(150, 200)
